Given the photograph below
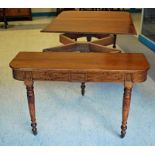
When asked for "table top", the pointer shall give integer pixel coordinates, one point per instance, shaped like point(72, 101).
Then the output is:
point(74, 61)
point(91, 22)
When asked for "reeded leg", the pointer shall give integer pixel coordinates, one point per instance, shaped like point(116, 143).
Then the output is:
point(83, 88)
point(31, 105)
point(114, 43)
point(126, 106)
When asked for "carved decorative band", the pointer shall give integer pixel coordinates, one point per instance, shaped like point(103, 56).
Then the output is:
point(87, 76)
point(19, 75)
point(105, 77)
point(50, 75)
point(78, 77)
point(139, 76)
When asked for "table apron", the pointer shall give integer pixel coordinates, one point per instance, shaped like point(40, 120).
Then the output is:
point(81, 76)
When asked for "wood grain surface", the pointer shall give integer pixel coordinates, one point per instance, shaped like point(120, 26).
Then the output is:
point(82, 61)
point(82, 67)
point(91, 22)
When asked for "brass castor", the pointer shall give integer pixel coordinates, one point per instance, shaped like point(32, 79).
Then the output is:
point(122, 135)
point(123, 131)
point(34, 129)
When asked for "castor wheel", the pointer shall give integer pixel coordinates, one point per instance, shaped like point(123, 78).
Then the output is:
point(122, 135)
point(34, 129)
point(123, 131)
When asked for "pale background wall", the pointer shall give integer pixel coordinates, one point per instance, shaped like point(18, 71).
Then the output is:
point(43, 9)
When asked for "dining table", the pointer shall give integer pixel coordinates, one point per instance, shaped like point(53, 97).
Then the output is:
point(92, 23)
point(125, 68)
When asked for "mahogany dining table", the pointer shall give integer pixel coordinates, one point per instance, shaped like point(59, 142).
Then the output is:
point(83, 67)
point(126, 68)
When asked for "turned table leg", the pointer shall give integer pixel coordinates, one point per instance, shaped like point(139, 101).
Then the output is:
point(83, 88)
point(126, 106)
point(114, 43)
point(31, 105)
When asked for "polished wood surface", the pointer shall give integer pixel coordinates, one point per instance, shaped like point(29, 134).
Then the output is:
point(91, 22)
point(80, 61)
point(81, 67)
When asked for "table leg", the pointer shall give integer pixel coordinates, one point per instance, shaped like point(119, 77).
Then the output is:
point(114, 43)
point(88, 38)
point(83, 88)
point(126, 106)
point(31, 105)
